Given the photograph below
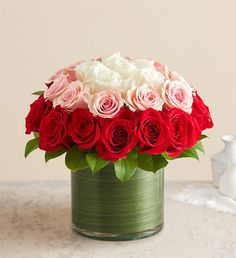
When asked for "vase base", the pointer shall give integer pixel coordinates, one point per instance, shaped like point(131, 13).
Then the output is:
point(118, 237)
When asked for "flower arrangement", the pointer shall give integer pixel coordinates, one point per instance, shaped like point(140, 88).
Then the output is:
point(131, 112)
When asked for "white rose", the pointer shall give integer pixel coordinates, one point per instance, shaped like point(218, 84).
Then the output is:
point(153, 77)
point(83, 70)
point(101, 77)
point(143, 63)
point(148, 73)
point(120, 65)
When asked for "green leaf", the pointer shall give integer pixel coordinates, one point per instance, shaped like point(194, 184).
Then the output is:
point(36, 134)
point(125, 168)
point(189, 153)
point(75, 159)
point(95, 162)
point(166, 156)
point(151, 162)
point(38, 93)
point(199, 146)
point(31, 145)
point(53, 154)
point(203, 136)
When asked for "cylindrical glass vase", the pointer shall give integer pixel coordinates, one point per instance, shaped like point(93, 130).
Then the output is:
point(104, 208)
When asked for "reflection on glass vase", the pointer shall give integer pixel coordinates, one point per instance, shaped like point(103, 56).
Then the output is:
point(222, 160)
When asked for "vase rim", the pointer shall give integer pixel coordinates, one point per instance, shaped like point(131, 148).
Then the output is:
point(229, 138)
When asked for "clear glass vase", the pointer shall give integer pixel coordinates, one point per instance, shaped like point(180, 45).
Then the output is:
point(104, 208)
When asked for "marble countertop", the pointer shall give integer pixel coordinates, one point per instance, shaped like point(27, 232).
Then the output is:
point(35, 222)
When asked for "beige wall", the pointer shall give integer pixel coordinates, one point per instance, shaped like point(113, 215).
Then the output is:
point(197, 38)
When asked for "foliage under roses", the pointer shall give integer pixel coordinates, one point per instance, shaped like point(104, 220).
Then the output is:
point(134, 113)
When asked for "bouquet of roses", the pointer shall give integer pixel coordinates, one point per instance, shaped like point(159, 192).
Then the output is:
point(135, 113)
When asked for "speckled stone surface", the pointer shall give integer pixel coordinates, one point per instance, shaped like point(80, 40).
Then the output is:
point(35, 221)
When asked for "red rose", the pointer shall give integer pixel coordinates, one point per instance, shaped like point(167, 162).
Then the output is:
point(126, 113)
point(38, 109)
point(49, 84)
point(201, 113)
point(53, 130)
point(117, 138)
point(184, 132)
point(84, 128)
point(153, 131)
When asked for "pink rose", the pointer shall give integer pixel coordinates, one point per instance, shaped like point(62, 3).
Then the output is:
point(161, 68)
point(69, 71)
point(57, 87)
point(143, 97)
point(72, 98)
point(178, 94)
point(174, 76)
point(106, 104)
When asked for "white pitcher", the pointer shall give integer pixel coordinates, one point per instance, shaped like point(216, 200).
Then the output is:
point(224, 159)
point(228, 182)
